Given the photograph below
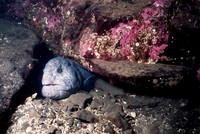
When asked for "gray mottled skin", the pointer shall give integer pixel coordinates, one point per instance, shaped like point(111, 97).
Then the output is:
point(63, 77)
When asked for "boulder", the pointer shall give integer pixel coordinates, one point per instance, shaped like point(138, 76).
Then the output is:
point(16, 45)
point(144, 77)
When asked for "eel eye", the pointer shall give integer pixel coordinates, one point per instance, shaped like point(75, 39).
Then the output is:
point(59, 70)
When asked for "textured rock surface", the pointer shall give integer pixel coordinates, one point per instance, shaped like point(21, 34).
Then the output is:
point(143, 76)
point(15, 44)
point(111, 13)
point(124, 113)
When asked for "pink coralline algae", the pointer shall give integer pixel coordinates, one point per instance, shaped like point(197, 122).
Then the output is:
point(139, 40)
point(52, 22)
point(156, 50)
point(38, 12)
point(88, 43)
point(143, 39)
point(49, 18)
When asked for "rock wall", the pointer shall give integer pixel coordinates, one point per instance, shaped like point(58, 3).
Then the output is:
point(16, 45)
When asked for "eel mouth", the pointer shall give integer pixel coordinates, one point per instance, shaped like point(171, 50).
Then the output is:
point(50, 84)
point(54, 91)
point(53, 87)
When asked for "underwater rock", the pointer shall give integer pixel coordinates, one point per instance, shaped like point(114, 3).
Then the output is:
point(15, 63)
point(63, 77)
point(145, 77)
